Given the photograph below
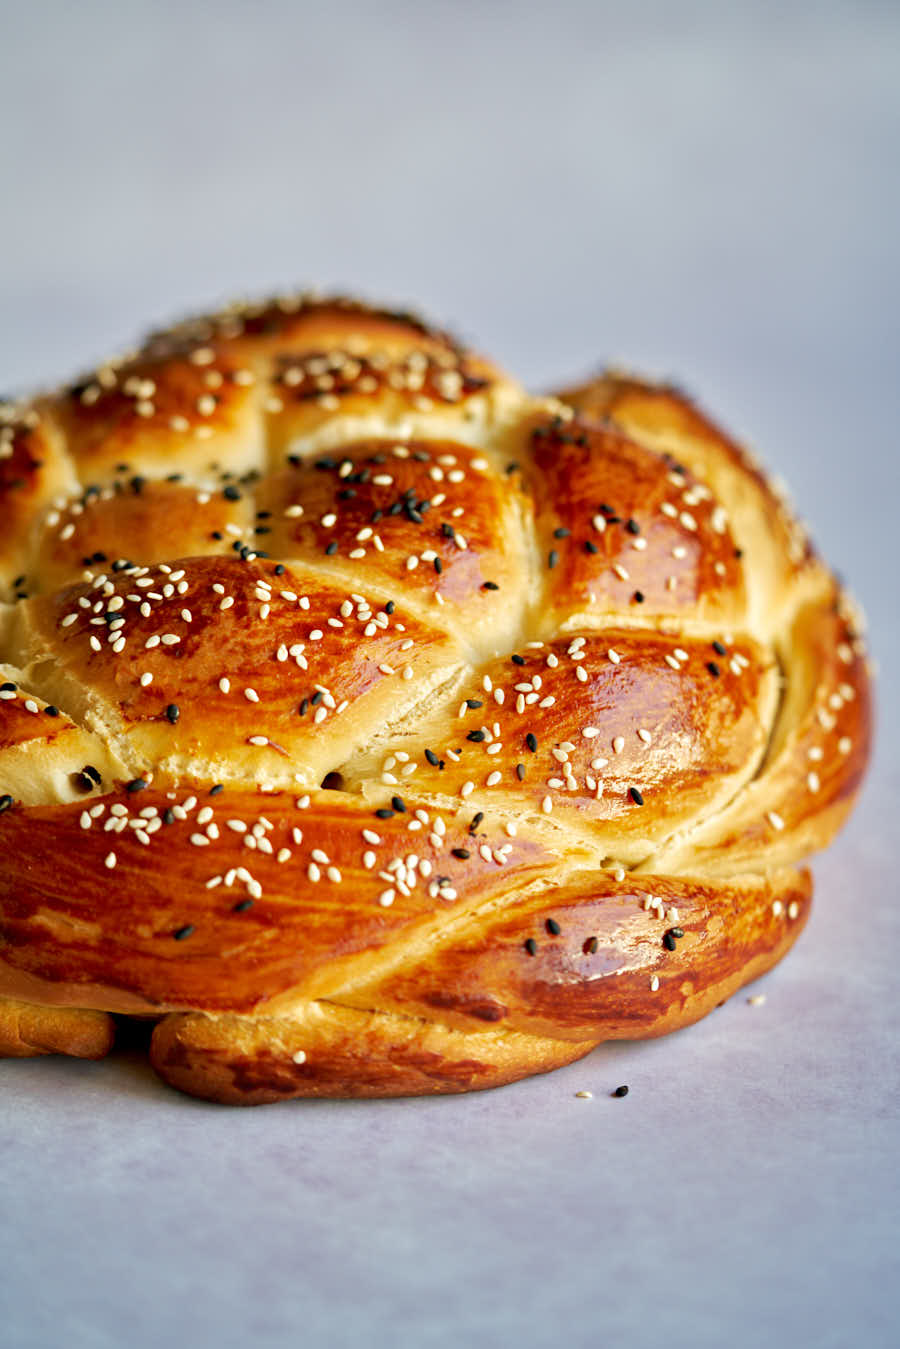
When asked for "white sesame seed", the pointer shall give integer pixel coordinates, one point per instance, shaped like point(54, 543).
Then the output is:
point(251, 695)
point(775, 820)
point(110, 860)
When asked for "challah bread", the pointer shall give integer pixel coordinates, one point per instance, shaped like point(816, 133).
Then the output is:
point(374, 727)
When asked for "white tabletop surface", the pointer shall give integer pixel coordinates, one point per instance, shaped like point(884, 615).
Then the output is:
point(704, 190)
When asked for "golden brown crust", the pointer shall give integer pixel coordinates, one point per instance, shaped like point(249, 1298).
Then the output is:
point(27, 1030)
point(327, 1050)
point(385, 730)
point(624, 530)
point(627, 735)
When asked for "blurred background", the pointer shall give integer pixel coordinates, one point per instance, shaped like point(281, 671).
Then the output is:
point(708, 191)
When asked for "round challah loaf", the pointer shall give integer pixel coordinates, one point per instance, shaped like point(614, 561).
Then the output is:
point(373, 727)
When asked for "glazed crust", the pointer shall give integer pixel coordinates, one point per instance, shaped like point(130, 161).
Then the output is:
point(377, 728)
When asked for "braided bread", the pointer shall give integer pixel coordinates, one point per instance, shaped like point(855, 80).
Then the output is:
point(369, 726)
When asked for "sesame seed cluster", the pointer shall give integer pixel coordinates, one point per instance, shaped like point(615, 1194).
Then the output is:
point(379, 727)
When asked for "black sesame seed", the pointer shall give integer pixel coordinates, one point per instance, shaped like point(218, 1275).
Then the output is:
point(473, 703)
point(92, 773)
point(390, 607)
point(553, 927)
point(183, 932)
point(431, 757)
point(476, 736)
point(7, 687)
point(561, 533)
point(331, 549)
point(304, 707)
point(173, 712)
point(438, 565)
point(713, 668)
point(231, 493)
point(168, 815)
point(591, 946)
point(384, 814)
point(397, 803)
point(520, 772)
point(632, 526)
point(242, 906)
point(638, 597)
point(620, 1091)
point(531, 742)
point(635, 796)
point(531, 946)
point(462, 853)
point(5, 802)
point(517, 660)
point(51, 711)
point(490, 585)
point(476, 820)
point(280, 569)
point(317, 698)
point(720, 649)
point(217, 790)
point(669, 942)
point(136, 785)
point(552, 558)
point(590, 546)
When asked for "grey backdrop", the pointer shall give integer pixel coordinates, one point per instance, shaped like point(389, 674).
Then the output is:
point(704, 190)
